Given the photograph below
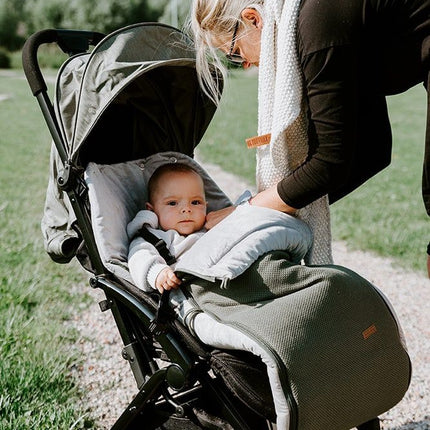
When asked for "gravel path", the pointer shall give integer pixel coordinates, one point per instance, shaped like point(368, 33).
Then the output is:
point(107, 382)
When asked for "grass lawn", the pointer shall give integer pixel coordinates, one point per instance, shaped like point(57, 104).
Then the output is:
point(386, 215)
point(36, 349)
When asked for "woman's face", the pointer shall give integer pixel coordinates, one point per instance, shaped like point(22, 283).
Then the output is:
point(248, 39)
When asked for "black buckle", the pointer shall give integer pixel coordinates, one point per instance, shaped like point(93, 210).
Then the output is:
point(164, 252)
point(163, 316)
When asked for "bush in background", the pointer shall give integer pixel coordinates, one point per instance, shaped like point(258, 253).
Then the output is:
point(21, 18)
point(11, 37)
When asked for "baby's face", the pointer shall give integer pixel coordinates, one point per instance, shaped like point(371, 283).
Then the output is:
point(179, 202)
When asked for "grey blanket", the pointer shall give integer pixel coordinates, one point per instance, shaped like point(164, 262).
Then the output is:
point(332, 335)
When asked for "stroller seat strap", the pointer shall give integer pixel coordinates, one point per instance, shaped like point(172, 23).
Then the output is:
point(159, 244)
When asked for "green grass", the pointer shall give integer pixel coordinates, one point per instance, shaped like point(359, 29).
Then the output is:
point(386, 215)
point(235, 120)
point(36, 349)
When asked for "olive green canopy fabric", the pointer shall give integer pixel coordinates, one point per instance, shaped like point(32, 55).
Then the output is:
point(136, 94)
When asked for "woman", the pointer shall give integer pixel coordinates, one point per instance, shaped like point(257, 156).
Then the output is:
point(325, 67)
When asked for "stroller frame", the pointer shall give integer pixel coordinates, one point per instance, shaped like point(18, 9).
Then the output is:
point(134, 311)
point(184, 390)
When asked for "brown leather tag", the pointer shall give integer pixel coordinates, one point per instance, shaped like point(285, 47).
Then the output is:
point(253, 142)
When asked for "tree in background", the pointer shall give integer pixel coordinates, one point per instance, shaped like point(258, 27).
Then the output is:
point(41, 14)
point(12, 33)
point(20, 18)
point(103, 16)
point(176, 12)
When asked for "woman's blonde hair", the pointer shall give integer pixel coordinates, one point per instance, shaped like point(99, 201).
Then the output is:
point(212, 21)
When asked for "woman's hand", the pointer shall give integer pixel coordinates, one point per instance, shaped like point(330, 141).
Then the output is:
point(213, 218)
point(269, 198)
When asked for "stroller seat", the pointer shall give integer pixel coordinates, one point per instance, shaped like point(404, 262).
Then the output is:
point(116, 193)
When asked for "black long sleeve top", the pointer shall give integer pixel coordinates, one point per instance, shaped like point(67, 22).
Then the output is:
point(353, 53)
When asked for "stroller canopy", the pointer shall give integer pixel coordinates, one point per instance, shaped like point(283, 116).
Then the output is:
point(136, 94)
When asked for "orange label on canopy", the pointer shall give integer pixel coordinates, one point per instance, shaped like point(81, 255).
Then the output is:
point(253, 142)
point(369, 331)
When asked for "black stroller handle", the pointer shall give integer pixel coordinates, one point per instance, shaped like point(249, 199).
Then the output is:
point(70, 41)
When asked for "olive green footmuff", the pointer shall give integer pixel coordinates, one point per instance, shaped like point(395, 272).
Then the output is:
point(336, 342)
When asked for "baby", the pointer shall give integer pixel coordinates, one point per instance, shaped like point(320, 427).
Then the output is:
point(176, 213)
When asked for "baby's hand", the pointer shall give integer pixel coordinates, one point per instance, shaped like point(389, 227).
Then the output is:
point(166, 280)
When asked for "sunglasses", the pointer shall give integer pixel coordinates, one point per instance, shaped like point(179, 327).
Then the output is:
point(234, 58)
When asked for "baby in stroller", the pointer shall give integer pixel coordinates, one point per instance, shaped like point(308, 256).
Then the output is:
point(176, 214)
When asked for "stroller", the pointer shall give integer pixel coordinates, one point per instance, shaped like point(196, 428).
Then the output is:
point(133, 103)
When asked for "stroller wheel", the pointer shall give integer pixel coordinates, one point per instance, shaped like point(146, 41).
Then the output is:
point(201, 420)
point(179, 424)
point(211, 422)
